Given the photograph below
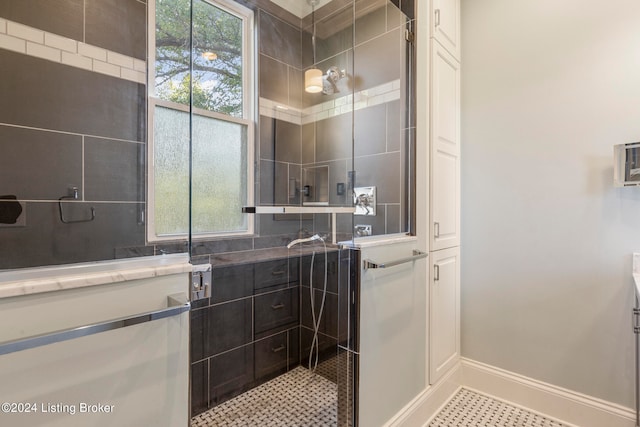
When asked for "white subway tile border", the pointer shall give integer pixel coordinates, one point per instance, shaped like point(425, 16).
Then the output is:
point(59, 42)
point(120, 60)
point(384, 93)
point(52, 47)
point(106, 68)
point(139, 65)
point(77, 61)
point(44, 52)
point(26, 33)
point(134, 76)
point(13, 43)
point(92, 51)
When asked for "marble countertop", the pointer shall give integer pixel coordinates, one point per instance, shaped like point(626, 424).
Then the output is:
point(56, 278)
point(262, 255)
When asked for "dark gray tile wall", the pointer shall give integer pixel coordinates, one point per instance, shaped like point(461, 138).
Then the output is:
point(115, 25)
point(379, 60)
point(280, 40)
point(48, 95)
point(378, 131)
point(199, 391)
point(45, 240)
point(246, 332)
point(64, 18)
point(114, 170)
point(274, 80)
point(370, 25)
point(63, 127)
point(39, 165)
point(280, 71)
point(288, 144)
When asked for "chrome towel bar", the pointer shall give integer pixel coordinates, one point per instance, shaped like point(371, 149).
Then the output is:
point(416, 255)
point(177, 304)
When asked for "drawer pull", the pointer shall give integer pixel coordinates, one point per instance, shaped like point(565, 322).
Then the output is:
point(277, 306)
point(279, 349)
point(278, 272)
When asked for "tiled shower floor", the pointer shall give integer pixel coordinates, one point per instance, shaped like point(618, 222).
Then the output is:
point(469, 409)
point(297, 398)
point(301, 399)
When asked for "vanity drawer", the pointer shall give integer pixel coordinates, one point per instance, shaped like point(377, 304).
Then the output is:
point(271, 355)
point(274, 273)
point(276, 309)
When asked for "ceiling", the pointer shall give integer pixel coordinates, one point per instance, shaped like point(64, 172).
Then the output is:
point(300, 8)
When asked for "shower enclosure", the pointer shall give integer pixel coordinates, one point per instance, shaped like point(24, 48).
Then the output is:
point(185, 126)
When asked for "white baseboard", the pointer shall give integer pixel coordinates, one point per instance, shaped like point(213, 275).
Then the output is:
point(564, 405)
point(428, 403)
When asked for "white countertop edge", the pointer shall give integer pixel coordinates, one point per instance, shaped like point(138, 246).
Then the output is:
point(62, 282)
point(374, 241)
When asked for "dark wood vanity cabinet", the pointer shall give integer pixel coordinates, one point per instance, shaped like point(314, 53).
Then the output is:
point(247, 332)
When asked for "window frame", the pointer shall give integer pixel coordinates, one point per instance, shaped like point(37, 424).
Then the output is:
point(247, 119)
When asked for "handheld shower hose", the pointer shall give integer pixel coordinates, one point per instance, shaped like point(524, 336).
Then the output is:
point(315, 345)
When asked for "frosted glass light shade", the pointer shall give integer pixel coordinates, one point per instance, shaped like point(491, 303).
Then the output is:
point(313, 80)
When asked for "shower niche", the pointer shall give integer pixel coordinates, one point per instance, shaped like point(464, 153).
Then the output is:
point(315, 186)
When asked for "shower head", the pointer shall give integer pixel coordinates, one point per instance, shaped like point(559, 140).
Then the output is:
point(331, 79)
point(308, 239)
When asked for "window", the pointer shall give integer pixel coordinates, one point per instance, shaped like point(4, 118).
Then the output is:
point(220, 86)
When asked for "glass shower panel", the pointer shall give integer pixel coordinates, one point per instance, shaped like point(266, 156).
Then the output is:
point(383, 118)
point(327, 116)
point(72, 135)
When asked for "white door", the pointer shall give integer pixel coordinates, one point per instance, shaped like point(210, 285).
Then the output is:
point(445, 150)
point(445, 25)
point(444, 312)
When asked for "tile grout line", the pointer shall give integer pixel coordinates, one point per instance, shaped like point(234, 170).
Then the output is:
point(470, 409)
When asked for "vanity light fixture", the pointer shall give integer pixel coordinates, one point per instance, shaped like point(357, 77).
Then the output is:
point(313, 76)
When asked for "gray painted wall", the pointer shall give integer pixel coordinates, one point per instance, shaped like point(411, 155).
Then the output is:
point(548, 88)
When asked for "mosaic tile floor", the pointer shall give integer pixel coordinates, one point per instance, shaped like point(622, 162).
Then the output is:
point(297, 398)
point(469, 409)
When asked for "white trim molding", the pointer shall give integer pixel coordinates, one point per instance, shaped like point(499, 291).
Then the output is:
point(569, 407)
